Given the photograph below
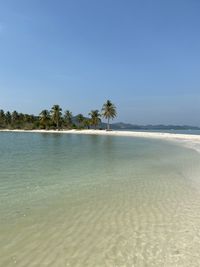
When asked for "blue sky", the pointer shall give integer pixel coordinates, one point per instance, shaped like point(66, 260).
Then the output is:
point(143, 55)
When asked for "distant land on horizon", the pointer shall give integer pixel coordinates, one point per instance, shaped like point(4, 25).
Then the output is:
point(129, 126)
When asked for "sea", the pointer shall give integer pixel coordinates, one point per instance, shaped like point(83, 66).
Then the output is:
point(172, 131)
point(89, 200)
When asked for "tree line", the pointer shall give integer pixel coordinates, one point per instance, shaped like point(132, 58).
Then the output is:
point(57, 119)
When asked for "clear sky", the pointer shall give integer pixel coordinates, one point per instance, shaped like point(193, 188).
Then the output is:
point(144, 55)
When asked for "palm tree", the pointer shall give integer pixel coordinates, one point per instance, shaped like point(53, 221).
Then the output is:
point(109, 112)
point(44, 118)
point(87, 123)
point(68, 118)
point(80, 119)
point(95, 118)
point(56, 113)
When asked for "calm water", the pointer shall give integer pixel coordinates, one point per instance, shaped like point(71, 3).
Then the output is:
point(193, 132)
point(75, 200)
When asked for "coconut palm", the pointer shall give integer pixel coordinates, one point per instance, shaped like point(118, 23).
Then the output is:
point(95, 118)
point(87, 123)
point(44, 118)
point(56, 113)
point(109, 112)
point(68, 118)
point(80, 119)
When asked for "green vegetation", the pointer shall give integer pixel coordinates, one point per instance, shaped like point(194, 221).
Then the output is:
point(95, 118)
point(56, 115)
point(45, 119)
point(80, 119)
point(55, 119)
point(68, 119)
point(109, 112)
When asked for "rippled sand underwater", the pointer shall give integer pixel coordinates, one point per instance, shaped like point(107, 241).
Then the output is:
point(98, 201)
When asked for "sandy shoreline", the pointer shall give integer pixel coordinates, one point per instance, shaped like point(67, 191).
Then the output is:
point(192, 141)
point(159, 135)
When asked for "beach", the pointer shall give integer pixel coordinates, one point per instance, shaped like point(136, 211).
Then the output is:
point(99, 134)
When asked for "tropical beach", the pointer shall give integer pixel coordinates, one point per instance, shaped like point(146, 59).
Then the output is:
point(99, 133)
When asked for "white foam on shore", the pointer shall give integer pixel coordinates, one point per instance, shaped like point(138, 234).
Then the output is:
point(188, 140)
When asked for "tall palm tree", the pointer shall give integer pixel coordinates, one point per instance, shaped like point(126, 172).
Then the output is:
point(109, 112)
point(95, 118)
point(68, 118)
point(44, 118)
point(56, 113)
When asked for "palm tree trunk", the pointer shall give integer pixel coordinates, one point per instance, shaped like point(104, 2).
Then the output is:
point(108, 124)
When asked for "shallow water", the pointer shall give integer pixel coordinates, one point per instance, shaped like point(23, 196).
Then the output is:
point(76, 200)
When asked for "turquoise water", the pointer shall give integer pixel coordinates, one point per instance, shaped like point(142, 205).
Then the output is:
point(84, 200)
